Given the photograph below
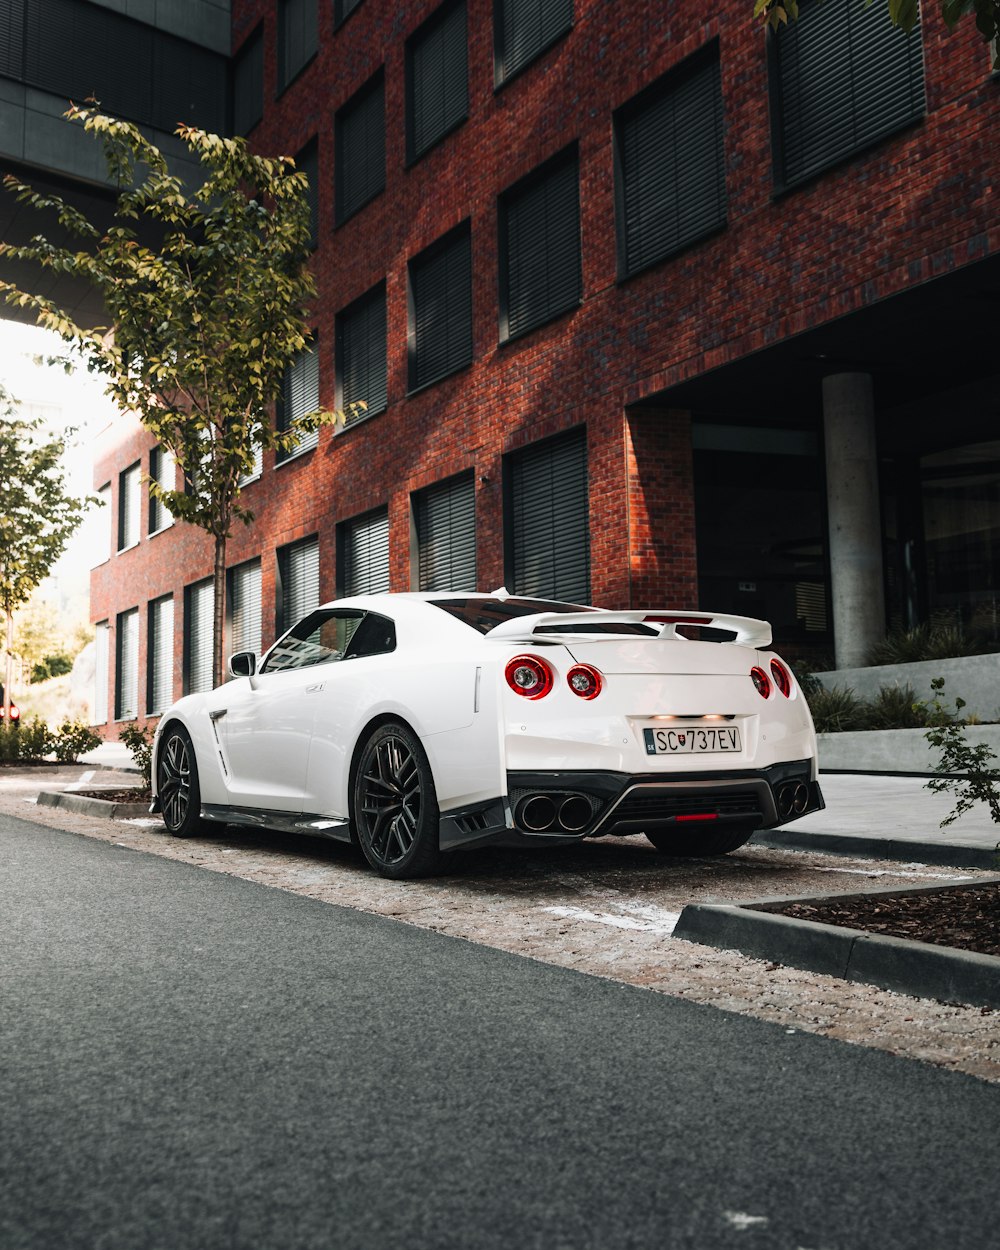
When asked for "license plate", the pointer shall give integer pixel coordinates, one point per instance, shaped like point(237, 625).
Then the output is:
point(692, 740)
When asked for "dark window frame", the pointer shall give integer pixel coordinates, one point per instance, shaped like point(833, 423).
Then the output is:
point(121, 712)
point(503, 76)
point(151, 648)
point(343, 528)
point(536, 178)
point(374, 85)
point(424, 31)
point(356, 308)
point(281, 592)
point(782, 181)
point(459, 361)
point(136, 466)
point(677, 77)
point(284, 83)
point(309, 442)
point(343, 9)
point(419, 501)
point(250, 52)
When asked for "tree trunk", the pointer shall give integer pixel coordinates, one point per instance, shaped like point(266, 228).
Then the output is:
point(219, 622)
point(8, 668)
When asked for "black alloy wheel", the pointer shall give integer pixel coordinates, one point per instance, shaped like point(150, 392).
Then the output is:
point(177, 784)
point(395, 805)
point(692, 843)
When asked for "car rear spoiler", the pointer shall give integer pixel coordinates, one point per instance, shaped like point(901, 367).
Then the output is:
point(748, 631)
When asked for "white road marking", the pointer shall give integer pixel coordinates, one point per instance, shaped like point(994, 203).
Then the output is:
point(740, 1219)
point(650, 919)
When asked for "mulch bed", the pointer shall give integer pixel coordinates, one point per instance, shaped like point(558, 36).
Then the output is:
point(128, 794)
point(967, 918)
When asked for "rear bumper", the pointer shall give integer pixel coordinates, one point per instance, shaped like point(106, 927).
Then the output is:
point(565, 806)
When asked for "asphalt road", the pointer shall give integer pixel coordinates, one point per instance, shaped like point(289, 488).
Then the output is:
point(189, 1060)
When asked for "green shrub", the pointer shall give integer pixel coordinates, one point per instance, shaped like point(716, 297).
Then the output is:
point(836, 710)
point(36, 739)
point(928, 642)
point(140, 746)
point(10, 744)
point(895, 707)
point(73, 740)
point(979, 781)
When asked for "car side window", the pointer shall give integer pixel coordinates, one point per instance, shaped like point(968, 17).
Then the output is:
point(319, 638)
point(376, 635)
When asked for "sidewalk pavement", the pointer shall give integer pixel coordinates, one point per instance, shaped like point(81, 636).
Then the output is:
point(886, 817)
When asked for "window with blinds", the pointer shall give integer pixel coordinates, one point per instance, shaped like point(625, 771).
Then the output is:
point(102, 545)
point(437, 80)
point(523, 29)
point(162, 470)
point(199, 605)
point(540, 275)
point(548, 519)
point(75, 50)
point(101, 657)
point(129, 506)
point(359, 138)
point(842, 78)
point(256, 468)
point(248, 83)
point(297, 38)
point(298, 582)
point(299, 395)
point(127, 665)
point(160, 656)
point(307, 160)
point(243, 607)
point(444, 516)
point(670, 176)
point(440, 331)
point(363, 554)
point(361, 354)
point(342, 10)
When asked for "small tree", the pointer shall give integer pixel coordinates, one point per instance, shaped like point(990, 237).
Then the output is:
point(207, 295)
point(37, 516)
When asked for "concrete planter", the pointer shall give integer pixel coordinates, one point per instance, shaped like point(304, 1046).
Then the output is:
point(84, 805)
point(976, 678)
point(891, 750)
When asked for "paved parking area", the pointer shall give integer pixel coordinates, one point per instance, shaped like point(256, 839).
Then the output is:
point(606, 908)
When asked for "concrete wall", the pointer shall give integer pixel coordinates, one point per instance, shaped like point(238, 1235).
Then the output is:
point(975, 678)
point(891, 750)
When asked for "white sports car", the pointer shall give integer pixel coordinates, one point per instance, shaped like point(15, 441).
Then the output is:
point(414, 724)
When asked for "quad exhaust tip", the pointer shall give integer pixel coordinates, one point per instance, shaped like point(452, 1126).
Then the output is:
point(793, 798)
point(554, 813)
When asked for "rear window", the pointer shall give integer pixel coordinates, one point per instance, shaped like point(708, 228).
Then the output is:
point(484, 614)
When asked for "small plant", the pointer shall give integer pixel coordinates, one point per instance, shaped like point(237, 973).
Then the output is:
point(928, 642)
point(836, 710)
point(36, 740)
point(980, 777)
point(140, 746)
point(10, 744)
point(73, 740)
point(896, 707)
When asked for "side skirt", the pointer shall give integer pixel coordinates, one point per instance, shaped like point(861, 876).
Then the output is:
point(334, 827)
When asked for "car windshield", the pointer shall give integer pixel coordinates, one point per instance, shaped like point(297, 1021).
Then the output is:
point(485, 614)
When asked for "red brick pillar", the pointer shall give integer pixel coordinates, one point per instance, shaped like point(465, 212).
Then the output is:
point(663, 570)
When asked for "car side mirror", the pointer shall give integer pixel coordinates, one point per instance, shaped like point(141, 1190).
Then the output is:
point(242, 664)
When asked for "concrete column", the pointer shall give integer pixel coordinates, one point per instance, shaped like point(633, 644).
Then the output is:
point(857, 588)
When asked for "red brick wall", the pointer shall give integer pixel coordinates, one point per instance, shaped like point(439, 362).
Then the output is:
point(916, 205)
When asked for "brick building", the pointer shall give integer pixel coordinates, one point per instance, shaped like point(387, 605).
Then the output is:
point(649, 307)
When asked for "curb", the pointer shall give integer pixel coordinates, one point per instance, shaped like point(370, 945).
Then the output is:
point(84, 806)
point(940, 854)
point(918, 969)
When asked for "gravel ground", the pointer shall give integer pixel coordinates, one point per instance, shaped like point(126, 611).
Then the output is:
point(606, 908)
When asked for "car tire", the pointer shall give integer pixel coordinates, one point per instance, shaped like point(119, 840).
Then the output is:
point(394, 805)
point(689, 844)
point(177, 785)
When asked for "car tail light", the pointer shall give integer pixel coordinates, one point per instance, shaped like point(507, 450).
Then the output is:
point(585, 681)
point(761, 680)
point(529, 676)
point(782, 677)
point(15, 712)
